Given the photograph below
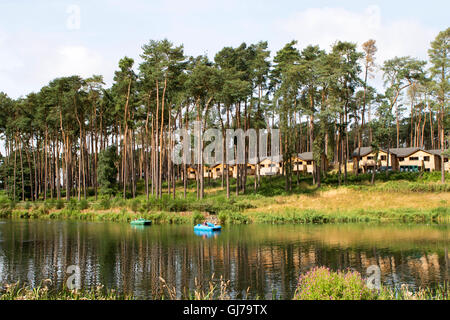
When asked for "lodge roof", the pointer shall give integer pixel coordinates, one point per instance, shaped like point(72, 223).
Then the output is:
point(436, 152)
point(404, 152)
point(306, 156)
point(363, 152)
point(398, 152)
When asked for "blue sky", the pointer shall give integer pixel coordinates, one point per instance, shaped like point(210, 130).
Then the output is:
point(37, 44)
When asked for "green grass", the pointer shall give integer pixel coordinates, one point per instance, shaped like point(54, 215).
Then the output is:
point(290, 216)
point(318, 284)
point(323, 284)
point(43, 292)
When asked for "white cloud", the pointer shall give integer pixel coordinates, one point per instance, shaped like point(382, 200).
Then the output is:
point(70, 60)
point(26, 68)
point(324, 26)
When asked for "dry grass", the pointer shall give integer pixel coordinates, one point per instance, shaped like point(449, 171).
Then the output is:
point(344, 199)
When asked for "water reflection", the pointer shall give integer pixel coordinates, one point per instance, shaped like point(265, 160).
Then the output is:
point(207, 234)
point(264, 258)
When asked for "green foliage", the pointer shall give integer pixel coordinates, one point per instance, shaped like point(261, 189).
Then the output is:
point(107, 171)
point(43, 292)
point(72, 205)
point(231, 217)
point(105, 204)
point(135, 205)
point(197, 217)
point(83, 204)
point(59, 204)
point(6, 203)
point(322, 284)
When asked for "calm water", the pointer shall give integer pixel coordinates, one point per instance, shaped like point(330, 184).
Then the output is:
point(264, 258)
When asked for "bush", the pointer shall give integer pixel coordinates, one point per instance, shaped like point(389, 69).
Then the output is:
point(197, 217)
point(5, 213)
point(72, 204)
point(135, 205)
point(231, 217)
point(323, 284)
point(83, 204)
point(105, 203)
point(119, 202)
point(49, 204)
point(59, 204)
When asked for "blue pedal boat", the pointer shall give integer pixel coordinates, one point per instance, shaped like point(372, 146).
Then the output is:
point(208, 227)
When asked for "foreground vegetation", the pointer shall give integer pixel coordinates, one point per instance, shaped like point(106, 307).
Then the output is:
point(318, 284)
point(323, 284)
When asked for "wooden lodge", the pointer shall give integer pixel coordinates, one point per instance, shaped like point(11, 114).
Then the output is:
point(400, 159)
point(304, 163)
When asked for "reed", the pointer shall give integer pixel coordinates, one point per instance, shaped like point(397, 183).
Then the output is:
point(45, 292)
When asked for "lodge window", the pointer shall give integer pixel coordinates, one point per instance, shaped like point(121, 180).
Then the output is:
point(218, 169)
point(309, 162)
point(383, 158)
point(413, 158)
point(262, 166)
point(369, 158)
point(401, 159)
point(445, 159)
point(426, 158)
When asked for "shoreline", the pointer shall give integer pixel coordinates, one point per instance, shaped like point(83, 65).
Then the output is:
point(439, 215)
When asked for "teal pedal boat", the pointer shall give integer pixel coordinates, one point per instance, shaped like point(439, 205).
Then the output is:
point(141, 222)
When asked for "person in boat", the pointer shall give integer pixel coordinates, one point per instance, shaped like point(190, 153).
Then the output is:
point(205, 223)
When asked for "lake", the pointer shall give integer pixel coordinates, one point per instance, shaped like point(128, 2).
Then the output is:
point(266, 260)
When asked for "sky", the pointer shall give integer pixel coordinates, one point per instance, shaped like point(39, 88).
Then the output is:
point(45, 39)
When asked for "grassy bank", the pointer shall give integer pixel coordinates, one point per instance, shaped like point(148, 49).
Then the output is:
point(405, 197)
point(289, 216)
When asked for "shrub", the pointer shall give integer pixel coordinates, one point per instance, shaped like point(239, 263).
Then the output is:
point(231, 217)
point(4, 203)
point(72, 204)
point(83, 204)
point(12, 204)
point(59, 204)
point(119, 202)
point(49, 203)
point(322, 284)
point(5, 213)
point(197, 217)
point(105, 204)
point(135, 205)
